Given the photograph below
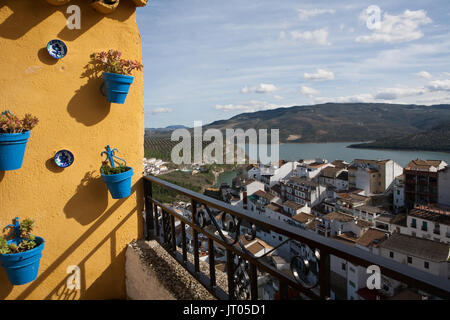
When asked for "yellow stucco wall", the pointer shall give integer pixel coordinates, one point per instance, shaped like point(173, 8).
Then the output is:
point(73, 211)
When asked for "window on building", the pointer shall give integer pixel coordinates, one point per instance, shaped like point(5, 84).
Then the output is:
point(352, 270)
point(409, 259)
point(391, 254)
point(426, 265)
point(413, 223)
point(280, 238)
point(424, 226)
point(343, 267)
point(351, 283)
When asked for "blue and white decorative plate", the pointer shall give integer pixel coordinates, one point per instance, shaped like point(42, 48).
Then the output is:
point(57, 49)
point(64, 158)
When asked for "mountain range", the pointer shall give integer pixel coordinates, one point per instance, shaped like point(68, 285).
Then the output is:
point(342, 122)
point(397, 126)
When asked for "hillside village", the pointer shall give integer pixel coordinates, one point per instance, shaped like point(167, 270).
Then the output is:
point(376, 205)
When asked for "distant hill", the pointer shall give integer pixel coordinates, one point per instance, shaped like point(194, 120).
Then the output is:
point(163, 132)
point(436, 139)
point(168, 128)
point(342, 122)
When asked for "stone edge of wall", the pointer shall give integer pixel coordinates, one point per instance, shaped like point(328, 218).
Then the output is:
point(153, 274)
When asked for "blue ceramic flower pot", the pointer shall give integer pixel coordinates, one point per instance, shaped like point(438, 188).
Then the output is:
point(116, 86)
point(12, 150)
point(119, 185)
point(23, 267)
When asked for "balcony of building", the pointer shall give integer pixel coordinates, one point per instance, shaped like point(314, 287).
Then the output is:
point(238, 271)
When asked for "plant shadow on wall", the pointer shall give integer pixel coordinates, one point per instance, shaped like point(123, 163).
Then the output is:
point(89, 201)
point(88, 105)
point(108, 275)
point(17, 24)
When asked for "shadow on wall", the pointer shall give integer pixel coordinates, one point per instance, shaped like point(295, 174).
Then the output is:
point(20, 22)
point(89, 111)
point(51, 165)
point(44, 57)
point(89, 201)
point(109, 275)
point(97, 288)
point(6, 286)
point(2, 175)
point(125, 10)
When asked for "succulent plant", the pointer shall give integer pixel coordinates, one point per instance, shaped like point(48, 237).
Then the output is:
point(112, 61)
point(10, 123)
point(106, 169)
point(28, 241)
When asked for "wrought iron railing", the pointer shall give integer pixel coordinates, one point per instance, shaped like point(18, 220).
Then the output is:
point(309, 272)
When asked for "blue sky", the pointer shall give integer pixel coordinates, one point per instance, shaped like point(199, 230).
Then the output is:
point(212, 59)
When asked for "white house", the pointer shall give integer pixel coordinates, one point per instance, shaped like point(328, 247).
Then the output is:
point(429, 223)
point(426, 255)
point(334, 177)
point(271, 175)
point(311, 168)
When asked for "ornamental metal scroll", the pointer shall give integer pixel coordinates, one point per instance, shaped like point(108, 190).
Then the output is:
point(110, 156)
point(303, 266)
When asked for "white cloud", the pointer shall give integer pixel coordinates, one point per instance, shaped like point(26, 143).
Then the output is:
point(250, 106)
point(161, 110)
point(305, 14)
point(424, 74)
point(395, 93)
point(261, 88)
point(364, 97)
point(319, 36)
point(278, 97)
point(439, 85)
point(321, 74)
point(309, 92)
point(396, 29)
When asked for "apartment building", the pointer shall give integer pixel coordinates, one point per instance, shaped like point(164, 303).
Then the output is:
point(444, 186)
point(303, 191)
point(399, 192)
point(421, 182)
point(373, 176)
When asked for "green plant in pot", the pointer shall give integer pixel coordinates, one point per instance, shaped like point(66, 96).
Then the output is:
point(116, 74)
point(20, 256)
point(14, 135)
point(116, 177)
